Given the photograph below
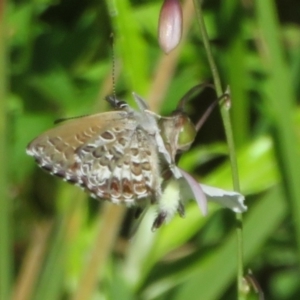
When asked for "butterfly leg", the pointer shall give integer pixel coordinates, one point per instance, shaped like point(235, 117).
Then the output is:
point(180, 209)
point(169, 203)
point(163, 216)
point(159, 220)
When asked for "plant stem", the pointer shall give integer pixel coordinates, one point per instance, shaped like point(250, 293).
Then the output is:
point(230, 142)
point(5, 203)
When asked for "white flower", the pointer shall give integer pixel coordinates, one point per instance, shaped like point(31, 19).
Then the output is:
point(203, 193)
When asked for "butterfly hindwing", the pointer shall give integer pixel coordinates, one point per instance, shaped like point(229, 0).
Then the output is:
point(107, 154)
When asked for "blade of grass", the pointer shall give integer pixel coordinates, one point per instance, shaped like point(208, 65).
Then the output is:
point(6, 268)
point(279, 104)
point(51, 281)
point(230, 142)
point(233, 20)
point(109, 223)
point(32, 262)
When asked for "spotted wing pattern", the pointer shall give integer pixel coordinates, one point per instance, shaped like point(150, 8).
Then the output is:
point(107, 154)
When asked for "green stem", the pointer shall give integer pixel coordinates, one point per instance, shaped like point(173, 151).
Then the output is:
point(230, 142)
point(5, 203)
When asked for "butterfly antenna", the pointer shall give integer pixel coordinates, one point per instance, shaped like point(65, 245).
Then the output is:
point(225, 96)
point(191, 92)
point(113, 71)
point(112, 99)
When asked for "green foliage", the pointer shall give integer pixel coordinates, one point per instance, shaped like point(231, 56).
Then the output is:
point(56, 56)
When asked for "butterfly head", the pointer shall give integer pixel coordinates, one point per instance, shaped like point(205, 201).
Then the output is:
point(186, 131)
point(178, 132)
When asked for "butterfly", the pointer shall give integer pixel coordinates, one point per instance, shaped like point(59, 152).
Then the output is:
point(125, 156)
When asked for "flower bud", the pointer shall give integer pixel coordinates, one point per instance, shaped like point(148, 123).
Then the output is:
point(170, 25)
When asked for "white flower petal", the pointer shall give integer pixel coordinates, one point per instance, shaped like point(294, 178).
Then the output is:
point(195, 191)
point(228, 199)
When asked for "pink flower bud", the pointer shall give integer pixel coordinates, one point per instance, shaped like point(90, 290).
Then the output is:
point(170, 25)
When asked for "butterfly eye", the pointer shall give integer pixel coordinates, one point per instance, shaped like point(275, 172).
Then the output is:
point(186, 135)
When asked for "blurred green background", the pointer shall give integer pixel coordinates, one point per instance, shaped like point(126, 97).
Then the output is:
point(56, 61)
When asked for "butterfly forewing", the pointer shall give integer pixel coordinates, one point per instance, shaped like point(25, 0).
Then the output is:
point(107, 154)
point(55, 149)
